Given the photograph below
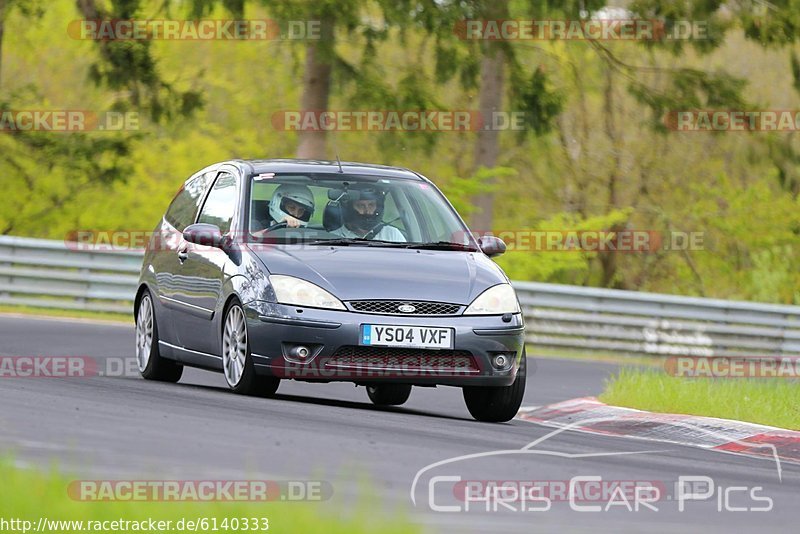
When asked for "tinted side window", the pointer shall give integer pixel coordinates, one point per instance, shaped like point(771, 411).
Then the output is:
point(183, 209)
point(221, 203)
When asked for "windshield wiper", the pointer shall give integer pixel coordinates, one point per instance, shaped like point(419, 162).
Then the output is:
point(346, 241)
point(360, 241)
point(442, 245)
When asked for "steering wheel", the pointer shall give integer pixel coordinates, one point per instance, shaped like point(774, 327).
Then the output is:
point(275, 226)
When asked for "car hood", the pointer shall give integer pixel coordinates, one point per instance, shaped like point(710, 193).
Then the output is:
point(354, 273)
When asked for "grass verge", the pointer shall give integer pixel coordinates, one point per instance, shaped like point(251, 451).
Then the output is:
point(774, 402)
point(29, 495)
point(535, 351)
point(73, 314)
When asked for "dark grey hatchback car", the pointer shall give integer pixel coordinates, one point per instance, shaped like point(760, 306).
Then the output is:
point(319, 271)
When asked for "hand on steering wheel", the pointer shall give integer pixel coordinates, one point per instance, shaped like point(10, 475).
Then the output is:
point(275, 226)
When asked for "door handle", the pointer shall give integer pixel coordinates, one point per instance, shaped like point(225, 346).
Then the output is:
point(183, 255)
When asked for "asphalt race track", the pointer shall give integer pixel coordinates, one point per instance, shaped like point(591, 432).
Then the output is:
point(123, 426)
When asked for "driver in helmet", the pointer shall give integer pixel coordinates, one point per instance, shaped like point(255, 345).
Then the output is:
point(363, 217)
point(292, 204)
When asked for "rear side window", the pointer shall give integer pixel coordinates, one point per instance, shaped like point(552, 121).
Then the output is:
point(221, 203)
point(184, 206)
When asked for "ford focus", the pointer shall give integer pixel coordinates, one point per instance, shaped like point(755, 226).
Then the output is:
point(277, 270)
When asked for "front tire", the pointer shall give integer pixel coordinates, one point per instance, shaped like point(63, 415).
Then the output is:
point(152, 365)
point(389, 394)
point(237, 362)
point(497, 404)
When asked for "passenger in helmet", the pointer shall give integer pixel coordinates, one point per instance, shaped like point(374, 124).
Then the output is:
point(363, 217)
point(292, 204)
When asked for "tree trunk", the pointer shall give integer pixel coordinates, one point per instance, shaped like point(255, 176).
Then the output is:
point(490, 100)
point(316, 89)
point(88, 9)
point(608, 259)
point(2, 29)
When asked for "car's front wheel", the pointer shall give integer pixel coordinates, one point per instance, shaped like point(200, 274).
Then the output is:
point(499, 403)
point(237, 363)
point(389, 394)
point(151, 364)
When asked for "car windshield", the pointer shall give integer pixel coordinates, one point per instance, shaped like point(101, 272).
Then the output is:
point(342, 209)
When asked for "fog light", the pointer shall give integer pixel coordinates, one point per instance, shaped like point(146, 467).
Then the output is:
point(500, 361)
point(300, 352)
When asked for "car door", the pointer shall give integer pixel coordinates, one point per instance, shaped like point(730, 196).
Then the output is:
point(164, 261)
point(203, 269)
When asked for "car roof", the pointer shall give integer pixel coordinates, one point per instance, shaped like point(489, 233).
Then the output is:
point(258, 166)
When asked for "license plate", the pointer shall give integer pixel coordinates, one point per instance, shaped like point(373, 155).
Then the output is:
point(422, 337)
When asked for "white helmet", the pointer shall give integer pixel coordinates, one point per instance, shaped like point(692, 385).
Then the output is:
point(286, 193)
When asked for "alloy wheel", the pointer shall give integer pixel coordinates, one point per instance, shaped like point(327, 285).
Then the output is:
point(144, 332)
point(234, 346)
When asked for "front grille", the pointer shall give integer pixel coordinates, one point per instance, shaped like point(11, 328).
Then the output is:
point(391, 307)
point(401, 358)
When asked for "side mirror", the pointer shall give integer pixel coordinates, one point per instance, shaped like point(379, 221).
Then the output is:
point(492, 246)
point(203, 234)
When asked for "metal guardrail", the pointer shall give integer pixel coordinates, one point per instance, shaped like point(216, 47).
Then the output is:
point(52, 274)
point(608, 320)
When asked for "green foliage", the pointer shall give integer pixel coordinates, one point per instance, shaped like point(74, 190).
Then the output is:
point(775, 276)
point(705, 14)
point(594, 109)
point(691, 89)
point(795, 66)
point(65, 164)
point(539, 102)
point(771, 23)
point(129, 68)
point(461, 191)
point(571, 266)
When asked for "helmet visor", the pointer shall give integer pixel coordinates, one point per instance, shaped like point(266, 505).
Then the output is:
point(296, 209)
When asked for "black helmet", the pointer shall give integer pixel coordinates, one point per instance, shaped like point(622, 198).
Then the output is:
point(360, 221)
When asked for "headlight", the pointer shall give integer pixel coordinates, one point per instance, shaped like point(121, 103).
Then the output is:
point(297, 292)
point(496, 300)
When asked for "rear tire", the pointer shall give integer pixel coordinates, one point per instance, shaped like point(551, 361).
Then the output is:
point(152, 365)
point(497, 404)
point(389, 394)
point(237, 362)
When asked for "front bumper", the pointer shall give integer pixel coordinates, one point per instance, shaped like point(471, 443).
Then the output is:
point(332, 338)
